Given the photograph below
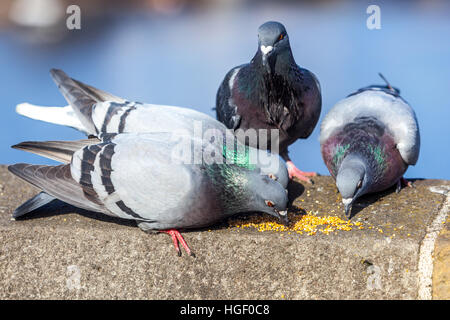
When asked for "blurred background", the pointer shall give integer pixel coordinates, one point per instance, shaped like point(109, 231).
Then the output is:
point(176, 52)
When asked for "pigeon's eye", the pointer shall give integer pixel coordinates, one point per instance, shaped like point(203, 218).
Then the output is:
point(272, 176)
point(359, 184)
point(270, 203)
point(281, 37)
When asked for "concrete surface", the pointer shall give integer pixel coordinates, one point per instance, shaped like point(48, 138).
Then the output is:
point(63, 253)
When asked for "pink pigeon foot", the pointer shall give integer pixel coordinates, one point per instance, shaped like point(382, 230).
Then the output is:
point(301, 175)
point(403, 182)
point(407, 183)
point(177, 237)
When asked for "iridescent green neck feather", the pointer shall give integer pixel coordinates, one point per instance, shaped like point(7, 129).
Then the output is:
point(239, 157)
point(231, 184)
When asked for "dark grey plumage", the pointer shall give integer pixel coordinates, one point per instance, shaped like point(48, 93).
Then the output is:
point(38, 201)
point(271, 92)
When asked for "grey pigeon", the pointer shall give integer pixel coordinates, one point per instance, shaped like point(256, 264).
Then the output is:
point(368, 140)
point(272, 92)
point(138, 176)
point(96, 112)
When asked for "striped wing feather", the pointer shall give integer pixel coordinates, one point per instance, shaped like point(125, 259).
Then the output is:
point(58, 182)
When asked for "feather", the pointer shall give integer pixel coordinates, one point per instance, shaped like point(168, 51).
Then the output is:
point(61, 151)
point(38, 201)
point(56, 181)
point(64, 116)
point(80, 98)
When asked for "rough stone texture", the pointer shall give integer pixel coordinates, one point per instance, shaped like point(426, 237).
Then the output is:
point(62, 252)
point(441, 271)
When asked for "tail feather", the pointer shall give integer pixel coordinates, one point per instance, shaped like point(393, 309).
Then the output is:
point(80, 100)
point(57, 181)
point(38, 201)
point(64, 116)
point(81, 97)
point(61, 151)
point(99, 94)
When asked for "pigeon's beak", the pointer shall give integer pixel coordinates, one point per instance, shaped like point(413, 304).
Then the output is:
point(348, 206)
point(282, 215)
point(265, 50)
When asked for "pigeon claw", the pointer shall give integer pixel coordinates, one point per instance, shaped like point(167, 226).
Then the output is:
point(178, 238)
point(407, 183)
point(403, 182)
point(297, 173)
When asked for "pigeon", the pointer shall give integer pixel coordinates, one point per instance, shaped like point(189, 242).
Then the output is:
point(271, 92)
point(368, 140)
point(95, 112)
point(131, 176)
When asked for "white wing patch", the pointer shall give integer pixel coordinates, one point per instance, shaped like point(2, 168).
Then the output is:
point(99, 111)
point(75, 165)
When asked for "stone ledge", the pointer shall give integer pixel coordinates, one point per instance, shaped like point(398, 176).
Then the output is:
point(64, 253)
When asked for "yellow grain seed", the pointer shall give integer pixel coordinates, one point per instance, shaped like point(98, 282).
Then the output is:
point(309, 223)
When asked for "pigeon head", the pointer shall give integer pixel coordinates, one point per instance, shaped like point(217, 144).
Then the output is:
point(280, 175)
point(243, 190)
point(269, 197)
point(352, 180)
point(273, 166)
point(273, 40)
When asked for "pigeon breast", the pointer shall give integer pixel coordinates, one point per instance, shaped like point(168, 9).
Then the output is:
point(369, 139)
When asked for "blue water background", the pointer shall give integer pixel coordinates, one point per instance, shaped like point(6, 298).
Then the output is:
point(181, 60)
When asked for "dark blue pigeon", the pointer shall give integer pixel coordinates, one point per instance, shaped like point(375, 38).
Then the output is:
point(368, 140)
point(271, 92)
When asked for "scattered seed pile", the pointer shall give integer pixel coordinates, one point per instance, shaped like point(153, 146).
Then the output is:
point(309, 224)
